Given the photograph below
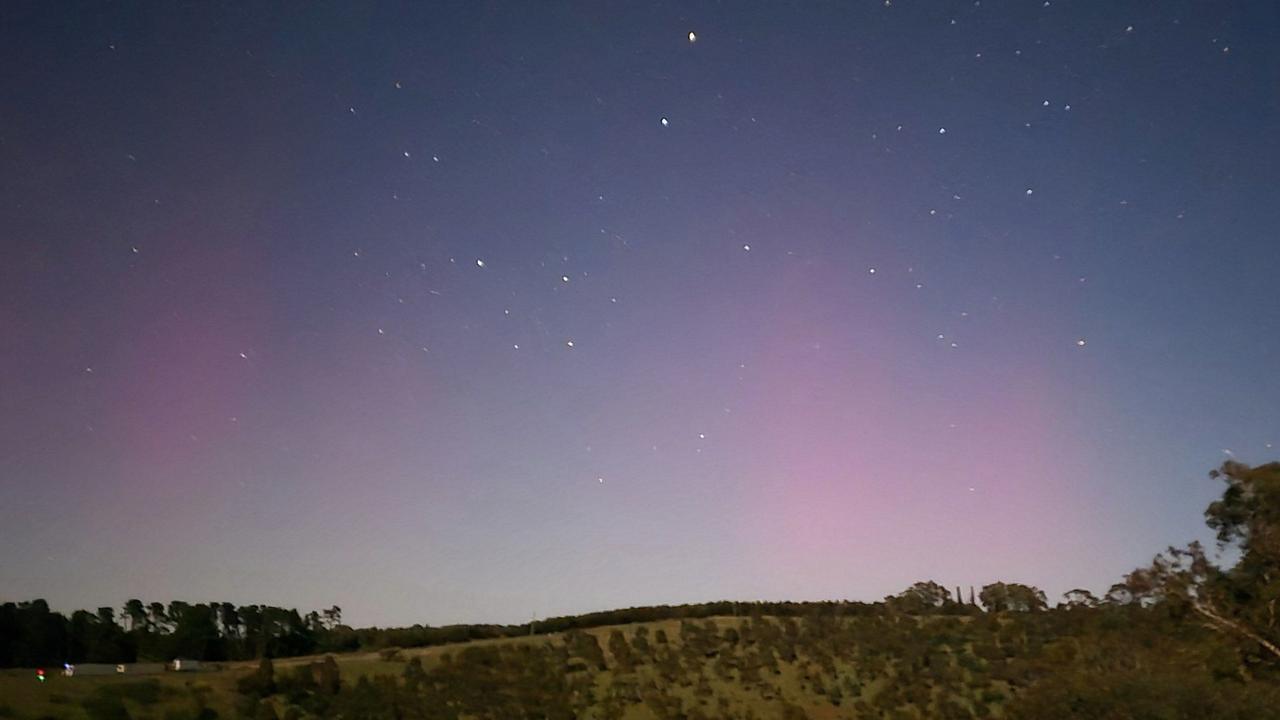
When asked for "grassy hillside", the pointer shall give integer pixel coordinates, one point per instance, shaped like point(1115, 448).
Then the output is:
point(890, 666)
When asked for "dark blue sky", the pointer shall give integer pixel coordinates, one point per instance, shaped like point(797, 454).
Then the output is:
point(425, 311)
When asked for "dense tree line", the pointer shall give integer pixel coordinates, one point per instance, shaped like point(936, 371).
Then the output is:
point(33, 635)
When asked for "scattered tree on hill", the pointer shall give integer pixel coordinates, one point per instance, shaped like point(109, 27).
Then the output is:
point(920, 598)
point(1003, 597)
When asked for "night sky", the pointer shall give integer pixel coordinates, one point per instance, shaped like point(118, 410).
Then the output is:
point(476, 311)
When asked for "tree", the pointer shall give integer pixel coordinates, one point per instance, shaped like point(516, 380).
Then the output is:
point(137, 614)
point(332, 617)
point(921, 597)
point(259, 683)
point(1079, 598)
point(621, 652)
point(330, 679)
point(1118, 594)
point(1001, 597)
point(229, 617)
point(1241, 601)
point(158, 618)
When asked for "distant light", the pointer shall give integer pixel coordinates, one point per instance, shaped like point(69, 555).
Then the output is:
point(693, 36)
point(702, 436)
point(746, 248)
point(568, 343)
point(600, 479)
point(406, 153)
point(942, 131)
point(1081, 342)
point(564, 278)
point(479, 263)
point(871, 270)
point(665, 122)
point(1030, 191)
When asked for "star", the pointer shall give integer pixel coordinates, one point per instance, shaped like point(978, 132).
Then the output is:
point(479, 263)
point(568, 343)
point(564, 278)
point(1080, 343)
point(746, 248)
point(693, 37)
point(942, 131)
point(665, 122)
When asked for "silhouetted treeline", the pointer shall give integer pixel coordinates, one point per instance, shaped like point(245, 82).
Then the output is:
point(425, 635)
point(33, 635)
